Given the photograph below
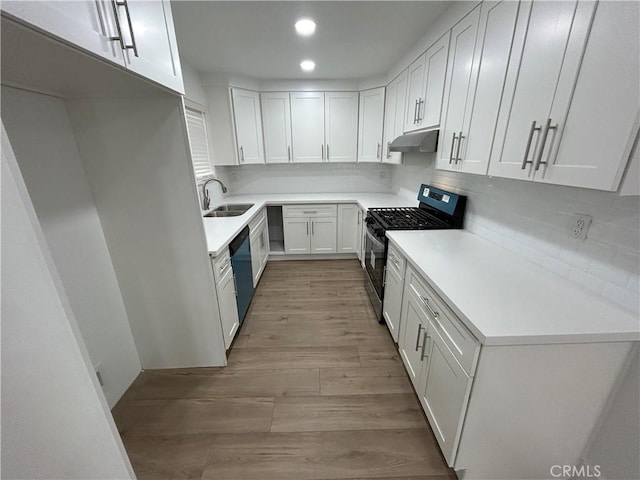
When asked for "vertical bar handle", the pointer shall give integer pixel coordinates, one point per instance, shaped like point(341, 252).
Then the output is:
point(327, 152)
point(529, 140)
point(117, 38)
point(415, 113)
point(543, 140)
point(241, 154)
point(388, 149)
point(418, 336)
point(460, 137)
point(424, 344)
point(289, 152)
point(453, 142)
point(420, 103)
point(378, 150)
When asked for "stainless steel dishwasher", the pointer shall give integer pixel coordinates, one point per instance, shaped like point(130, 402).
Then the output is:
point(240, 249)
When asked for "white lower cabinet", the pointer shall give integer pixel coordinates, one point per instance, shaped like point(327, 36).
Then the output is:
point(309, 228)
point(391, 306)
point(349, 228)
point(226, 293)
point(442, 378)
point(259, 239)
point(443, 390)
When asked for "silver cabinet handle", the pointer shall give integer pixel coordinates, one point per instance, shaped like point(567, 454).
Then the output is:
point(415, 113)
point(420, 103)
point(359, 215)
point(241, 154)
point(307, 229)
point(424, 344)
point(453, 142)
point(327, 152)
point(460, 137)
point(322, 147)
point(116, 4)
point(378, 150)
point(313, 229)
point(235, 285)
point(289, 153)
point(384, 276)
point(388, 149)
point(426, 304)
point(310, 212)
point(418, 336)
point(526, 150)
point(543, 140)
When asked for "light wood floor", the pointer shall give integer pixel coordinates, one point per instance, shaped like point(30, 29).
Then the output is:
point(314, 389)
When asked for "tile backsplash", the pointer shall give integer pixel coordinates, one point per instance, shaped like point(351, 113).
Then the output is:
point(306, 178)
point(533, 220)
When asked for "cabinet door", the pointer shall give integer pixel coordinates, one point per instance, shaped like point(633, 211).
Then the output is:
point(443, 392)
point(276, 123)
point(307, 126)
point(457, 89)
point(392, 304)
point(87, 24)
point(148, 24)
point(361, 230)
point(430, 104)
point(297, 234)
point(371, 121)
point(495, 34)
point(341, 126)
point(323, 235)
point(592, 149)
point(415, 89)
point(348, 226)
point(264, 246)
point(256, 256)
point(413, 335)
point(547, 47)
point(400, 83)
point(228, 308)
point(246, 114)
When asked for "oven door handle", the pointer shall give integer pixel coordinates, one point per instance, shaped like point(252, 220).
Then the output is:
point(375, 240)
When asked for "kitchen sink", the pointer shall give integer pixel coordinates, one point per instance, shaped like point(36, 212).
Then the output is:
point(229, 210)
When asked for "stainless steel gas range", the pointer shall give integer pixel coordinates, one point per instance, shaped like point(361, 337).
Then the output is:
point(438, 209)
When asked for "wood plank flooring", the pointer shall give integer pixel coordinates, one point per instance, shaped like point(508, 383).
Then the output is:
point(314, 390)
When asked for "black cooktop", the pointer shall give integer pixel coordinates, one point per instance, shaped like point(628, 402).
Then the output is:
point(405, 218)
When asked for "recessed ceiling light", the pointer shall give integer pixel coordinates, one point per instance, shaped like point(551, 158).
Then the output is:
point(305, 27)
point(307, 65)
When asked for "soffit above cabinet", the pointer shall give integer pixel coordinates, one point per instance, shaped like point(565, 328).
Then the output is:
point(257, 39)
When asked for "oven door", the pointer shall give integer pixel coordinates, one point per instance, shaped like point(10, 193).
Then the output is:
point(374, 258)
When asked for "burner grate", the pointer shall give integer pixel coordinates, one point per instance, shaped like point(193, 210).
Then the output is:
point(406, 218)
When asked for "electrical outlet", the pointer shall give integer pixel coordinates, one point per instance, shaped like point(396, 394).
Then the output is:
point(580, 225)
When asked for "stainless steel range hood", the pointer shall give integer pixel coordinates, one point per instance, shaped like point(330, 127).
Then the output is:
point(423, 142)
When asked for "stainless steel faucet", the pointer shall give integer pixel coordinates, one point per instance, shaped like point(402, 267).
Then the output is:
point(206, 200)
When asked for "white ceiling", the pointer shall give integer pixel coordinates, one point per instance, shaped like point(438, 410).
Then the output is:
point(257, 39)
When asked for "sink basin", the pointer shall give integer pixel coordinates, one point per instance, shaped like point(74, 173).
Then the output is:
point(234, 207)
point(223, 214)
point(229, 210)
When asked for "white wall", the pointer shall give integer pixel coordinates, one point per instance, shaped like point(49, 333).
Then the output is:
point(42, 138)
point(193, 85)
point(532, 220)
point(307, 178)
point(55, 421)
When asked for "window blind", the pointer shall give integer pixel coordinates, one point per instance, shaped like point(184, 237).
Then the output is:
point(197, 130)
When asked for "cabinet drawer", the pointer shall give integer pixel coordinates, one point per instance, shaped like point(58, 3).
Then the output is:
point(221, 265)
point(395, 260)
point(460, 341)
point(309, 210)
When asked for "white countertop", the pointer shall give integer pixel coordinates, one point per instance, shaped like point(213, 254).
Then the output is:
point(220, 231)
point(506, 300)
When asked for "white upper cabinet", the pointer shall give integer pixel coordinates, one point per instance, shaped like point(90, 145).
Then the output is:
point(147, 27)
point(87, 24)
point(276, 124)
point(426, 77)
point(248, 123)
point(341, 126)
point(570, 100)
point(478, 59)
point(394, 116)
point(307, 126)
point(138, 35)
point(371, 125)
